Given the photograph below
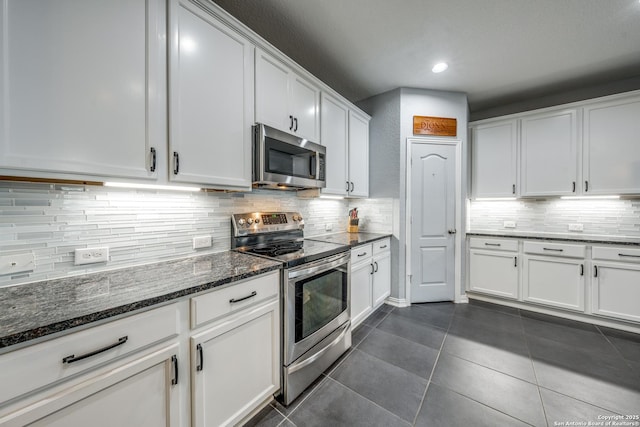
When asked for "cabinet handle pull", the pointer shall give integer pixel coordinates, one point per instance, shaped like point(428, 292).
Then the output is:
point(295, 120)
point(352, 186)
point(552, 249)
point(362, 254)
point(582, 269)
point(452, 231)
point(347, 185)
point(291, 124)
point(513, 189)
point(176, 163)
point(574, 187)
point(595, 271)
point(383, 246)
point(174, 360)
point(492, 244)
point(234, 300)
point(376, 270)
point(586, 186)
point(515, 261)
point(153, 160)
point(73, 358)
point(200, 356)
point(630, 256)
point(372, 270)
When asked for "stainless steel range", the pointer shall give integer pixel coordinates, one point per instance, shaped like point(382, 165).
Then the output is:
point(315, 292)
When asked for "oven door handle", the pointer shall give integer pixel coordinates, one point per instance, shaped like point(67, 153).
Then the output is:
point(319, 268)
point(318, 355)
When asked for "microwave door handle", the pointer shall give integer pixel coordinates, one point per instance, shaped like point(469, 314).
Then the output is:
point(313, 165)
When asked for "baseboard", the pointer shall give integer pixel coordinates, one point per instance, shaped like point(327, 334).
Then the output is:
point(397, 302)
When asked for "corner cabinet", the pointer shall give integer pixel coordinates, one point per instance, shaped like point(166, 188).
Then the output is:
point(616, 282)
point(612, 146)
point(83, 96)
point(284, 99)
point(549, 154)
point(493, 159)
point(211, 99)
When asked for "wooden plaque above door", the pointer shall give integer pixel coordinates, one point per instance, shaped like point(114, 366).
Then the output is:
point(439, 126)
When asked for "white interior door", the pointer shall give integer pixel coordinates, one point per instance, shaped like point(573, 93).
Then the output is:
point(433, 189)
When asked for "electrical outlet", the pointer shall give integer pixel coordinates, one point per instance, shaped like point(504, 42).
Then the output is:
point(201, 242)
point(18, 263)
point(328, 227)
point(576, 227)
point(91, 255)
point(509, 224)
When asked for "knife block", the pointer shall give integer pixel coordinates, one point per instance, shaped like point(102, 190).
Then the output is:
point(353, 226)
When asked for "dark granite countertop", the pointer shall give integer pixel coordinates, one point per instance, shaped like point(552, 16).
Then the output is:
point(34, 310)
point(350, 239)
point(582, 238)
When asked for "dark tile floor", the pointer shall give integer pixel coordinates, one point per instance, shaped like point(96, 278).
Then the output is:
point(474, 364)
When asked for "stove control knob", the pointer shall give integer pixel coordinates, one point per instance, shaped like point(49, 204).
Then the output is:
point(249, 221)
point(294, 217)
point(257, 220)
point(241, 221)
point(299, 218)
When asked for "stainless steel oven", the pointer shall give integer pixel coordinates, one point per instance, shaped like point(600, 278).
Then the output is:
point(315, 293)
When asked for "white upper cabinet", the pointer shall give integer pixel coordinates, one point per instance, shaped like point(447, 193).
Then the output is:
point(494, 158)
point(286, 100)
point(82, 88)
point(211, 94)
point(548, 154)
point(358, 155)
point(335, 131)
point(612, 147)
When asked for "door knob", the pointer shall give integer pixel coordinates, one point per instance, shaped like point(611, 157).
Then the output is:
point(452, 231)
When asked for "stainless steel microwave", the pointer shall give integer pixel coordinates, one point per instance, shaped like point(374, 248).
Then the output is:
point(285, 161)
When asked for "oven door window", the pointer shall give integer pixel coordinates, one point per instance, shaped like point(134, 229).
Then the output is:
point(289, 160)
point(319, 300)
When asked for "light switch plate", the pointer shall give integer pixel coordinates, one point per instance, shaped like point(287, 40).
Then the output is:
point(18, 263)
point(576, 227)
point(509, 224)
point(91, 255)
point(201, 242)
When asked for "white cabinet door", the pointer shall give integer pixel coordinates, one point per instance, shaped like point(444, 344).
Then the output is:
point(286, 100)
point(82, 87)
point(616, 290)
point(361, 298)
point(334, 132)
point(211, 111)
point(611, 147)
point(358, 155)
point(494, 273)
point(236, 366)
point(305, 108)
point(272, 92)
point(140, 393)
point(554, 281)
point(548, 154)
point(381, 279)
point(493, 161)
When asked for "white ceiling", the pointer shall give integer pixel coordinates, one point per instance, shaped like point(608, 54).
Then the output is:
point(499, 51)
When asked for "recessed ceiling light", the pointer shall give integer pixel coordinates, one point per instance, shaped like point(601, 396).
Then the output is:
point(440, 67)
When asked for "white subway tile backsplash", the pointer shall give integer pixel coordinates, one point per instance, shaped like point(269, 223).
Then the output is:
point(599, 217)
point(144, 226)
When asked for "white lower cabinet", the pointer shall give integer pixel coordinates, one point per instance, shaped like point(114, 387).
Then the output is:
point(130, 381)
point(494, 273)
point(616, 283)
point(370, 278)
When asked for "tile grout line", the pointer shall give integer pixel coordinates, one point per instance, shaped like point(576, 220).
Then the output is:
point(535, 374)
point(617, 350)
point(435, 364)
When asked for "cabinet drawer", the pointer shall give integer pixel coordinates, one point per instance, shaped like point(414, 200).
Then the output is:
point(361, 253)
point(616, 254)
point(555, 249)
point(217, 303)
point(381, 246)
point(494, 244)
point(40, 365)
